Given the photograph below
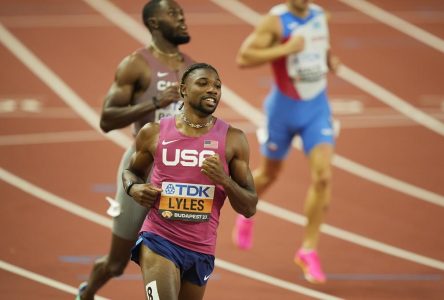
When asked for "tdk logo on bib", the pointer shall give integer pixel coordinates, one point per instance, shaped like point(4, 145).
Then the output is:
point(189, 190)
point(169, 190)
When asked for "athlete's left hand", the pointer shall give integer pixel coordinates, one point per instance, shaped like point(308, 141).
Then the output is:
point(213, 169)
point(333, 63)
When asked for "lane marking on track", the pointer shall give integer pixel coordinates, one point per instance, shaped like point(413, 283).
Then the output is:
point(57, 85)
point(41, 279)
point(68, 20)
point(391, 99)
point(252, 17)
point(350, 116)
point(386, 277)
point(242, 107)
point(94, 217)
point(30, 105)
point(271, 280)
point(50, 137)
point(124, 21)
point(351, 237)
point(396, 22)
point(263, 206)
point(53, 199)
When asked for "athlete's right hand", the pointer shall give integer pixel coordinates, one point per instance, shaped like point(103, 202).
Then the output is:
point(145, 194)
point(169, 95)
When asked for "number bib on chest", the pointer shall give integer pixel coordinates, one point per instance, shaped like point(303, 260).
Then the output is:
point(311, 63)
point(186, 201)
point(170, 110)
point(307, 66)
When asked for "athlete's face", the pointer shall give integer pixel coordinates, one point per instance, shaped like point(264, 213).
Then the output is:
point(172, 23)
point(299, 5)
point(203, 90)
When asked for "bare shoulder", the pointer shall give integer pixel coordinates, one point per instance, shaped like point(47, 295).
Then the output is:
point(234, 132)
point(269, 23)
point(149, 129)
point(236, 139)
point(147, 137)
point(133, 68)
point(134, 60)
point(327, 15)
point(321, 9)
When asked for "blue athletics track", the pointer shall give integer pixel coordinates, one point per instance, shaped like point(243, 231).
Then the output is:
point(383, 237)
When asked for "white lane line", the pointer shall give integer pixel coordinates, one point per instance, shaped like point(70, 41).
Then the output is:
point(388, 181)
point(350, 118)
point(351, 237)
point(271, 280)
point(50, 137)
point(124, 21)
point(53, 199)
point(263, 206)
point(252, 17)
point(391, 99)
point(89, 215)
point(93, 20)
point(251, 113)
point(57, 85)
point(399, 24)
point(40, 279)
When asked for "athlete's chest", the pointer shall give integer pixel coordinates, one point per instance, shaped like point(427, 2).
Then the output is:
point(186, 152)
point(314, 29)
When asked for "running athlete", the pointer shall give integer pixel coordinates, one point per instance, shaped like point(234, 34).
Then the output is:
point(196, 161)
point(294, 38)
point(145, 89)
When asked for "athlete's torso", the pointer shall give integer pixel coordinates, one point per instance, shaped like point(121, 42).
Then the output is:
point(302, 76)
point(161, 78)
point(187, 213)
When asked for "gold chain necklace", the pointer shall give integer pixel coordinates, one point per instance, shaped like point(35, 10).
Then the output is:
point(177, 54)
point(189, 123)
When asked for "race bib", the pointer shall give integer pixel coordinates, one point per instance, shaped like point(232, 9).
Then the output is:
point(170, 110)
point(186, 201)
point(311, 63)
point(307, 66)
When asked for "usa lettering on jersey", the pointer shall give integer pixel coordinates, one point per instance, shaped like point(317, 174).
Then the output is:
point(185, 157)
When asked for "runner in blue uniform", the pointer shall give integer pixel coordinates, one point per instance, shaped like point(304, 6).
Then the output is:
point(294, 38)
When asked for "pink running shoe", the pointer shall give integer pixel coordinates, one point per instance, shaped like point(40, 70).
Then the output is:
point(310, 265)
point(243, 233)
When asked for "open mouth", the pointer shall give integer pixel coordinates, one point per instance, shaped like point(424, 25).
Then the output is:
point(183, 28)
point(210, 101)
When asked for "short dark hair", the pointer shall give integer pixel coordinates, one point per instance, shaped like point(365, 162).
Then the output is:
point(196, 66)
point(149, 10)
point(190, 69)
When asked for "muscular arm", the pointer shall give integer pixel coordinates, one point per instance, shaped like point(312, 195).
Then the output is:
point(239, 186)
point(263, 44)
point(141, 163)
point(132, 78)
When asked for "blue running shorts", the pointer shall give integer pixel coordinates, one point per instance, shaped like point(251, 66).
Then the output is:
point(286, 118)
point(194, 267)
